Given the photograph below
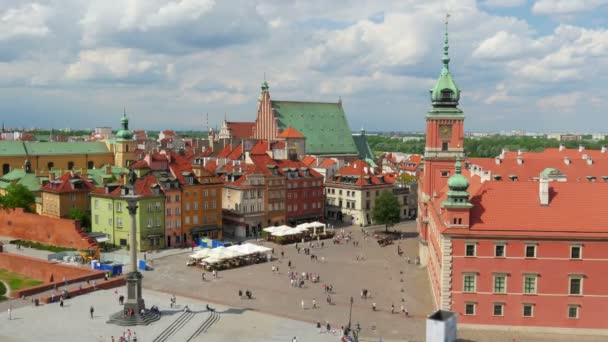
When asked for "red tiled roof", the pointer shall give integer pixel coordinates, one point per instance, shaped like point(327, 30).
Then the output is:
point(291, 132)
point(279, 144)
point(515, 206)
point(63, 184)
point(327, 163)
point(140, 164)
point(168, 133)
point(364, 172)
point(223, 153)
point(143, 187)
point(211, 166)
point(309, 160)
point(241, 129)
point(260, 147)
point(236, 153)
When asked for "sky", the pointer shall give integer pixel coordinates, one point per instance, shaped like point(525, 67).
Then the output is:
point(536, 65)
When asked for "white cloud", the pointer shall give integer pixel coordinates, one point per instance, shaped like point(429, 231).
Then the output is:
point(25, 21)
point(504, 3)
point(562, 102)
point(502, 45)
point(566, 6)
point(110, 63)
point(500, 94)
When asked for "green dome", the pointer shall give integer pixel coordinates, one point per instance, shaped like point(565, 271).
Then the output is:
point(458, 182)
point(125, 133)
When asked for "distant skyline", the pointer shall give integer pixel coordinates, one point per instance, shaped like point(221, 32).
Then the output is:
point(536, 65)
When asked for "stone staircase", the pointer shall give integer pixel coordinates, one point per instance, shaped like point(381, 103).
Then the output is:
point(213, 318)
point(174, 327)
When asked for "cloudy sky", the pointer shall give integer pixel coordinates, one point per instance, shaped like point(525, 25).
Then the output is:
point(521, 64)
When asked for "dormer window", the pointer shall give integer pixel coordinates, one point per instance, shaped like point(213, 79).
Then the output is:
point(446, 95)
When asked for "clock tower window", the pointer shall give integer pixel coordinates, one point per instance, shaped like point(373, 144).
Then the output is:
point(445, 145)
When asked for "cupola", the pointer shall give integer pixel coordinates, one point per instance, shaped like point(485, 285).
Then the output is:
point(458, 185)
point(124, 133)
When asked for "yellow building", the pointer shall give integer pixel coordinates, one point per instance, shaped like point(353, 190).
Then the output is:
point(61, 195)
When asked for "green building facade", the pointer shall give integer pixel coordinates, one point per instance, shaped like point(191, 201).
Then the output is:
point(109, 215)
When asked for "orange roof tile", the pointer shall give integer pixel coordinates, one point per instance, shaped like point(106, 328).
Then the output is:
point(241, 129)
point(291, 132)
point(309, 160)
point(65, 184)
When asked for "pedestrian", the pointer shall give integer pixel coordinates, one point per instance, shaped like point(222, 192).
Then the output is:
point(61, 303)
point(374, 306)
point(328, 327)
point(282, 255)
point(240, 293)
point(314, 303)
point(392, 308)
point(406, 313)
point(289, 264)
point(134, 337)
point(402, 309)
point(128, 334)
point(203, 276)
point(91, 310)
point(9, 313)
point(112, 339)
point(294, 339)
point(302, 304)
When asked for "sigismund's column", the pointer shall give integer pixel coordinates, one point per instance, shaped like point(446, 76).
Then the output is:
point(134, 300)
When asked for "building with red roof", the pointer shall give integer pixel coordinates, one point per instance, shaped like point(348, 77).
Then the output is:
point(518, 240)
point(350, 194)
point(60, 196)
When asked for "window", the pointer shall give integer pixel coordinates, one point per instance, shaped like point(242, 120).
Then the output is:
point(96, 219)
point(119, 222)
point(444, 145)
point(469, 309)
point(110, 221)
point(49, 165)
point(213, 204)
point(119, 207)
point(576, 252)
point(530, 251)
point(168, 224)
point(528, 310)
point(176, 198)
point(110, 206)
point(195, 219)
point(499, 250)
point(206, 205)
point(178, 211)
point(469, 282)
point(73, 197)
point(573, 311)
point(469, 249)
point(150, 222)
point(445, 173)
point(158, 221)
point(187, 193)
point(576, 285)
point(96, 204)
point(500, 283)
point(158, 206)
point(168, 211)
point(70, 165)
point(187, 206)
point(530, 283)
point(498, 309)
point(212, 192)
point(149, 207)
point(187, 220)
point(206, 193)
point(196, 205)
point(178, 222)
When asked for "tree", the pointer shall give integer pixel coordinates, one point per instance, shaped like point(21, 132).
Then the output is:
point(18, 196)
point(83, 217)
point(405, 178)
point(386, 209)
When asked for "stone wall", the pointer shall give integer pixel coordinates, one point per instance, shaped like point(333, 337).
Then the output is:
point(48, 272)
point(48, 230)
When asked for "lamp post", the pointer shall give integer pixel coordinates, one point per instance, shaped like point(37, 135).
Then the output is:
point(351, 311)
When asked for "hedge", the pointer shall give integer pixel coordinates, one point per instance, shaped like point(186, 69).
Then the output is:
point(41, 246)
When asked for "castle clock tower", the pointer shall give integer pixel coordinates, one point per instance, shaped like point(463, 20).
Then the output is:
point(444, 138)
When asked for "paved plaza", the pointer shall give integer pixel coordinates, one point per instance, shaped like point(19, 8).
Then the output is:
point(274, 313)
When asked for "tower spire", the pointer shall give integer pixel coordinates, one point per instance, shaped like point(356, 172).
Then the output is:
point(446, 46)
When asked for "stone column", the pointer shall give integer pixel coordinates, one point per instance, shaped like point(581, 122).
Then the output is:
point(134, 300)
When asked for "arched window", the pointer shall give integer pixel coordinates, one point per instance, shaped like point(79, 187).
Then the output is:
point(70, 165)
point(446, 95)
point(90, 164)
point(6, 168)
point(126, 148)
point(50, 165)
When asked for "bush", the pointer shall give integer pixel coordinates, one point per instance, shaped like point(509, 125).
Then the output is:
point(41, 246)
point(2, 290)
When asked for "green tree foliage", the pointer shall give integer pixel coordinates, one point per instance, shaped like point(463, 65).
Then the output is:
point(405, 178)
point(18, 196)
point(486, 147)
point(83, 217)
point(386, 209)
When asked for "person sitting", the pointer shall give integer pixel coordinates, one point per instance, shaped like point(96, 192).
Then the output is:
point(186, 308)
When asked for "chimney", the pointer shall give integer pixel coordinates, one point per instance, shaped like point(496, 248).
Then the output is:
point(562, 147)
point(365, 170)
point(604, 149)
point(497, 160)
point(589, 161)
point(519, 152)
point(543, 191)
point(581, 148)
point(520, 160)
point(566, 160)
point(585, 156)
point(51, 176)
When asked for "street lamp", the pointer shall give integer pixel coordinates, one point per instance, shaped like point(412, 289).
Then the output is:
point(351, 311)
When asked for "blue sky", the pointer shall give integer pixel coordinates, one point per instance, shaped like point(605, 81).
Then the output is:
point(537, 65)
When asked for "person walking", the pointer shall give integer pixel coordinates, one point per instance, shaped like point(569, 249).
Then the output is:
point(374, 306)
point(302, 304)
point(91, 310)
point(392, 308)
point(240, 293)
point(314, 303)
point(9, 313)
point(61, 303)
point(203, 276)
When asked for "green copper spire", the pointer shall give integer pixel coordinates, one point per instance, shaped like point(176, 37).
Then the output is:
point(125, 133)
point(458, 185)
point(446, 92)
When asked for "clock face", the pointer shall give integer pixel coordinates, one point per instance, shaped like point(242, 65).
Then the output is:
point(445, 131)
